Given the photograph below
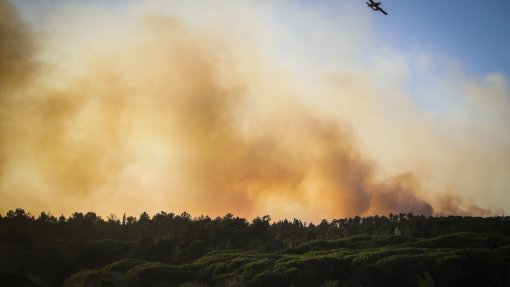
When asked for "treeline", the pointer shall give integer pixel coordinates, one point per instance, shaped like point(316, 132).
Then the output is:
point(44, 250)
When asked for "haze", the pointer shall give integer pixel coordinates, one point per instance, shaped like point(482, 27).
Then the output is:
point(252, 107)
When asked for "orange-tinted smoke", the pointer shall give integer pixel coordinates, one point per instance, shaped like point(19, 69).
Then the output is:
point(165, 119)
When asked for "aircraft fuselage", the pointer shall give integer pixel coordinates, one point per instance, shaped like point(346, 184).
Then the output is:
point(374, 6)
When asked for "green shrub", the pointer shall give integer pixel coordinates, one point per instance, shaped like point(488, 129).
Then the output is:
point(150, 274)
point(95, 278)
point(123, 266)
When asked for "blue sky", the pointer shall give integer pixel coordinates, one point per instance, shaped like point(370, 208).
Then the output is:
point(475, 33)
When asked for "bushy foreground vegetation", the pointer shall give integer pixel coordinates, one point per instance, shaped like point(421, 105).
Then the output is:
point(178, 250)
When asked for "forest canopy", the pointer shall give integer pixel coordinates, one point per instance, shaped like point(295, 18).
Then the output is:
point(167, 249)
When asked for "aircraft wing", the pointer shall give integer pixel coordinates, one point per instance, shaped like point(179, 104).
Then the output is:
point(384, 12)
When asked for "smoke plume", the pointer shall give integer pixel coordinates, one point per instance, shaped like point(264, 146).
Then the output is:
point(144, 110)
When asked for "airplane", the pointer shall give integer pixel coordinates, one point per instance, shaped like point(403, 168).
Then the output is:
point(376, 6)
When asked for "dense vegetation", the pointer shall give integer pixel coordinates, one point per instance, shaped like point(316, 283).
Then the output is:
point(178, 250)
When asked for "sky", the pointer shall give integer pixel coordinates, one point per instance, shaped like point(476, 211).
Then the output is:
point(472, 32)
point(297, 109)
